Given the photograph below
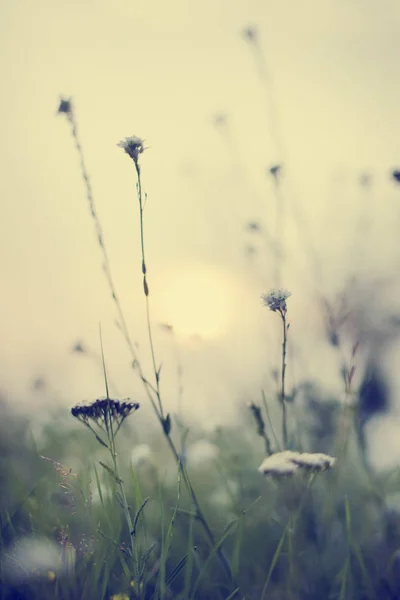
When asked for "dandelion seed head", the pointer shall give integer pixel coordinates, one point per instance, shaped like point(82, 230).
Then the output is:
point(133, 146)
point(276, 299)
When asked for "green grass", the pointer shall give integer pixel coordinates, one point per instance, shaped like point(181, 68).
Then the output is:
point(283, 538)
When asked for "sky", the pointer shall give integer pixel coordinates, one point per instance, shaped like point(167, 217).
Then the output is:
point(319, 94)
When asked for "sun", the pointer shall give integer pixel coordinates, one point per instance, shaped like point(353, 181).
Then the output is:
point(199, 300)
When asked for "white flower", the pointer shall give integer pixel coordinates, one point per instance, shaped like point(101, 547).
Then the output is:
point(280, 463)
point(288, 462)
point(133, 146)
point(315, 462)
point(276, 299)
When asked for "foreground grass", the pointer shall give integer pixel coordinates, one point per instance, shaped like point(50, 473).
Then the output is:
point(284, 538)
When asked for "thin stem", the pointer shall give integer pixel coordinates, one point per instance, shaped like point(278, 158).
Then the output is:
point(125, 505)
point(107, 266)
point(279, 245)
point(149, 388)
point(283, 398)
point(160, 413)
point(147, 291)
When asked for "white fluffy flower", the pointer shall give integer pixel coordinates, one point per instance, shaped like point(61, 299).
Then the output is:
point(280, 463)
point(276, 299)
point(288, 462)
point(315, 462)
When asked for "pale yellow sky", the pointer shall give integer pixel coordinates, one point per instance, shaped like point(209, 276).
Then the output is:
point(162, 71)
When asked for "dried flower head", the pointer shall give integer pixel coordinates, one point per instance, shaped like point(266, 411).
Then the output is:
point(133, 146)
point(276, 299)
point(275, 171)
point(288, 462)
point(65, 106)
point(104, 411)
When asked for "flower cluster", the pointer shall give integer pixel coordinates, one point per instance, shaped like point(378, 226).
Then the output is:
point(288, 462)
point(133, 146)
point(275, 300)
point(104, 410)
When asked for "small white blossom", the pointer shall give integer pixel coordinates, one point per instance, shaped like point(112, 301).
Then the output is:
point(276, 299)
point(133, 146)
point(280, 463)
point(315, 462)
point(288, 462)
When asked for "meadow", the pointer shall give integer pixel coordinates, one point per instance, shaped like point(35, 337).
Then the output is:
point(285, 505)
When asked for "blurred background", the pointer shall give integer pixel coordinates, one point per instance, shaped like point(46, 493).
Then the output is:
point(221, 93)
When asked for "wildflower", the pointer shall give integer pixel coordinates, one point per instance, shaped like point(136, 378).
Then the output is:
point(104, 412)
point(275, 300)
point(279, 464)
point(314, 462)
point(275, 171)
point(288, 462)
point(65, 106)
point(133, 146)
point(396, 175)
point(79, 348)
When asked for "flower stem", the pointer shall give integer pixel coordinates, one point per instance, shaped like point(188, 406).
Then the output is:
point(160, 412)
point(147, 292)
point(283, 397)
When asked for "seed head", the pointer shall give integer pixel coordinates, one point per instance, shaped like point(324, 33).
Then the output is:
point(133, 146)
point(275, 300)
point(65, 106)
point(275, 171)
point(396, 175)
point(103, 411)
